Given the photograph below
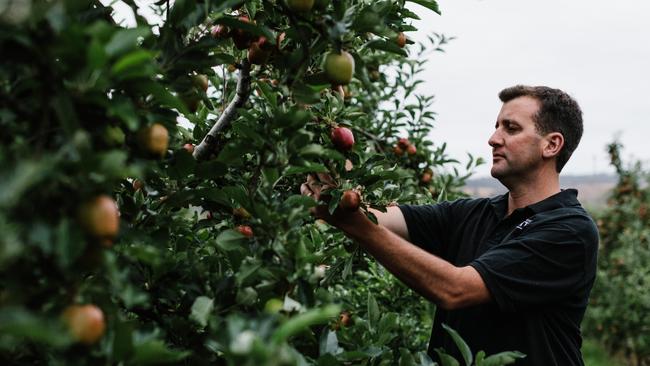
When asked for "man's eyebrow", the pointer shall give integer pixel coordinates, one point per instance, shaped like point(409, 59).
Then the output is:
point(506, 120)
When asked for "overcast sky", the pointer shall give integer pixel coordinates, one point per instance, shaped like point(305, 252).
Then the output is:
point(597, 51)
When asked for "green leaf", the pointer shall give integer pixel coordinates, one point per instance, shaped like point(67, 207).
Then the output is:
point(503, 358)
point(268, 94)
point(14, 182)
point(223, 58)
point(132, 61)
point(445, 359)
point(309, 167)
point(231, 240)
point(123, 109)
point(125, 40)
point(18, 323)
point(298, 200)
point(153, 352)
point(305, 94)
point(270, 175)
point(425, 360)
point(201, 309)
point(387, 46)
point(315, 150)
point(406, 358)
point(96, 55)
point(479, 358)
point(112, 163)
point(373, 311)
point(429, 4)
point(160, 94)
point(69, 243)
point(460, 343)
point(303, 321)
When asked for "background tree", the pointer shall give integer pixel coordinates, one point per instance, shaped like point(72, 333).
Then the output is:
point(618, 313)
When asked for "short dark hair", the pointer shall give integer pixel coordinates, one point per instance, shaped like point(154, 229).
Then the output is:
point(558, 112)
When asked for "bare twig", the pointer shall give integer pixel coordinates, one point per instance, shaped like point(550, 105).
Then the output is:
point(209, 144)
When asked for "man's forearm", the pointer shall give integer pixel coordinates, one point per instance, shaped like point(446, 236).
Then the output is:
point(434, 278)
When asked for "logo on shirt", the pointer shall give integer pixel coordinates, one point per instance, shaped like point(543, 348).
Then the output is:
point(524, 224)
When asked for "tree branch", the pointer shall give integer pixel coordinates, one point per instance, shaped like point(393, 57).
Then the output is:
point(210, 143)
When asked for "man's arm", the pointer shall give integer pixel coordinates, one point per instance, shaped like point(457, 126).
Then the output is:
point(393, 220)
point(448, 286)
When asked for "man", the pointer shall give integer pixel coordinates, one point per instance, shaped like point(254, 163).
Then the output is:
point(512, 272)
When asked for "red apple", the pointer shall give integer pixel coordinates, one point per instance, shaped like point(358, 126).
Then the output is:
point(350, 201)
point(403, 142)
point(398, 150)
point(219, 31)
point(258, 52)
point(100, 218)
point(245, 230)
point(189, 148)
point(342, 138)
point(401, 40)
point(137, 184)
point(242, 38)
point(426, 178)
point(85, 323)
point(411, 150)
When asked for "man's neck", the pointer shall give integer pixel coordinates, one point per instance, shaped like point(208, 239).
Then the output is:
point(532, 190)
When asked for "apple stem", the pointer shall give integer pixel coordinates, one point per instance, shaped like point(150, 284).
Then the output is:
point(209, 144)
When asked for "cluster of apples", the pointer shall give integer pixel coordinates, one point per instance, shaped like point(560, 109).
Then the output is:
point(404, 145)
point(259, 48)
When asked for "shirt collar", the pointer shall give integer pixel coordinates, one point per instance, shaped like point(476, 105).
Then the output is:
point(564, 198)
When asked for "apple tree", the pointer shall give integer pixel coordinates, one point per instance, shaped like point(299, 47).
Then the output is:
point(149, 203)
point(619, 308)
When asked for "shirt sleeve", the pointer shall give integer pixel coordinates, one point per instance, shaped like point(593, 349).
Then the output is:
point(546, 264)
point(426, 223)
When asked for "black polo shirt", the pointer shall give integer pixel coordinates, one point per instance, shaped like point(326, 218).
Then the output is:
point(539, 265)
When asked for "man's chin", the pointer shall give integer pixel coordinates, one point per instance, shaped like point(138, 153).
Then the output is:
point(497, 173)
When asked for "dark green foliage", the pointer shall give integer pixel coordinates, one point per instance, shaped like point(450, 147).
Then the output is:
point(619, 312)
point(179, 284)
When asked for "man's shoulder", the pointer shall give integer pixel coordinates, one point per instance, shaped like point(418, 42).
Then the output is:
point(572, 219)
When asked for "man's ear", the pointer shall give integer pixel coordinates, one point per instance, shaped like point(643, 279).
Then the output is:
point(554, 142)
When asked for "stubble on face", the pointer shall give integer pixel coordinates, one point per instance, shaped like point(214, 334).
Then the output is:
point(516, 141)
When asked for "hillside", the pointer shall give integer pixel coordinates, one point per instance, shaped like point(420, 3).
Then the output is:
point(592, 189)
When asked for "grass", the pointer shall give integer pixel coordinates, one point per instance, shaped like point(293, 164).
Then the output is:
point(595, 355)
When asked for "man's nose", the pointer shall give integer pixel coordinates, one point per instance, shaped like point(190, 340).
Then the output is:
point(495, 139)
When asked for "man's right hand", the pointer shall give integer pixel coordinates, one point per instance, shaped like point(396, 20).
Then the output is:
point(318, 184)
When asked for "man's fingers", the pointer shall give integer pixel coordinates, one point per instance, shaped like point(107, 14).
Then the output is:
point(326, 179)
point(305, 190)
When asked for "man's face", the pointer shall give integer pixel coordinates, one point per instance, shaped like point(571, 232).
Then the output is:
point(516, 144)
